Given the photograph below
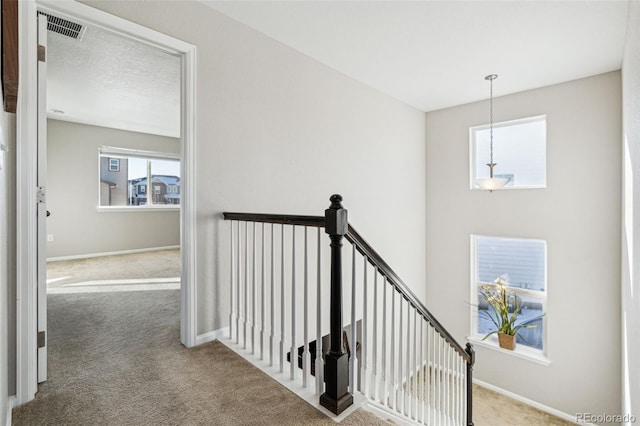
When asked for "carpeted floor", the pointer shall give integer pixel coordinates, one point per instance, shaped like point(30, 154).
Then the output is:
point(115, 359)
point(154, 264)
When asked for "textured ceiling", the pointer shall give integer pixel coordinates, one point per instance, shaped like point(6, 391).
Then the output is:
point(429, 54)
point(108, 80)
point(435, 54)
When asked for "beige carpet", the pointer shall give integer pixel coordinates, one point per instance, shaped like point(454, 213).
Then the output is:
point(115, 359)
point(155, 264)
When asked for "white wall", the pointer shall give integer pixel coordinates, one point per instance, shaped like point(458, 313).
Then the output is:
point(72, 184)
point(279, 132)
point(578, 214)
point(631, 211)
point(7, 262)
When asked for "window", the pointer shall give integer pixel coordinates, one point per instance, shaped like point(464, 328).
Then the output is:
point(521, 263)
point(137, 170)
point(519, 151)
point(114, 165)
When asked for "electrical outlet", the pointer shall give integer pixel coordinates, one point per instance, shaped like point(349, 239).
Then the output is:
point(49, 237)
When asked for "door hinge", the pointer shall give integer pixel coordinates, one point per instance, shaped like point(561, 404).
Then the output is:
point(42, 195)
point(42, 53)
point(42, 339)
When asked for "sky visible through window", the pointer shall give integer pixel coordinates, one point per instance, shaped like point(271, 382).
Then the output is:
point(138, 167)
point(519, 150)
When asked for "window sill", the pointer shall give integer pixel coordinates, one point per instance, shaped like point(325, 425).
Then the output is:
point(147, 209)
point(520, 351)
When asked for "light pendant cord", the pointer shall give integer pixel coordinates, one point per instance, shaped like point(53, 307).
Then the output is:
point(491, 119)
point(491, 164)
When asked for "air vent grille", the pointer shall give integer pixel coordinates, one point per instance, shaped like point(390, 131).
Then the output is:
point(65, 27)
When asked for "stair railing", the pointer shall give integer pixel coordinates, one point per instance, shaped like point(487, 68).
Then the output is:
point(398, 355)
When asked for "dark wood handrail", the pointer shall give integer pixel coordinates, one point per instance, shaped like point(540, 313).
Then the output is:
point(366, 250)
point(317, 221)
point(376, 260)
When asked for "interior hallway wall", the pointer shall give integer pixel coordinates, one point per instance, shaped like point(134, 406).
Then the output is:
point(278, 132)
point(631, 217)
point(578, 215)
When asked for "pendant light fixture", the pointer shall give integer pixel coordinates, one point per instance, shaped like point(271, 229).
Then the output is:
point(491, 183)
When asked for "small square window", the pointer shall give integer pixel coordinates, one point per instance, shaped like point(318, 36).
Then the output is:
point(114, 164)
point(519, 151)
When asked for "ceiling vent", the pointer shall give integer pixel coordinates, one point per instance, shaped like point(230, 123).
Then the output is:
point(65, 27)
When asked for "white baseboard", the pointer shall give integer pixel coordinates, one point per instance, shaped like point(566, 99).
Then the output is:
point(10, 404)
point(109, 253)
point(201, 339)
point(530, 402)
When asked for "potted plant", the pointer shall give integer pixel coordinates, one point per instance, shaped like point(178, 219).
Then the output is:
point(504, 307)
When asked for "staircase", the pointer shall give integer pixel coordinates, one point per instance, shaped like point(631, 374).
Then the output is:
point(286, 297)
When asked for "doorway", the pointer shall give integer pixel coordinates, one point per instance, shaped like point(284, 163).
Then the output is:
point(28, 231)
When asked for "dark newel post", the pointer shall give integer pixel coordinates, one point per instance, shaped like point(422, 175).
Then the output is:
point(336, 397)
point(472, 356)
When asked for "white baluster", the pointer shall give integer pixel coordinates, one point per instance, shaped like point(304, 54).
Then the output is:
point(429, 374)
point(352, 337)
point(246, 283)
point(383, 365)
point(272, 302)
point(282, 355)
point(319, 368)
point(400, 406)
point(392, 394)
point(365, 325)
point(422, 385)
point(294, 351)
point(407, 387)
point(238, 278)
point(447, 381)
point(458, 384)
point(414, 374)
point(253, 292)
point(231, 269)
point(262, 296)
point(440, 384)
point(374, 349)
point(305, 348)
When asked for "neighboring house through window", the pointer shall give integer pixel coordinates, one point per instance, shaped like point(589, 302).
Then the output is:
point(125, 175)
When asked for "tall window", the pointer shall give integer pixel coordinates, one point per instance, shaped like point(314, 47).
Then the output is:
point(521, 263)
point(125, 175)
point(519, 150)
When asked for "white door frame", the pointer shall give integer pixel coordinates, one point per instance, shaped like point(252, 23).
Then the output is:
point(26, 152)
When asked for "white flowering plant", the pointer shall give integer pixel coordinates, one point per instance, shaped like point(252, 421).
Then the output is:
point(504, 307)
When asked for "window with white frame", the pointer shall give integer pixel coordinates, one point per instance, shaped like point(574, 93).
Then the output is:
point(114, 164)
point(521, 264)
point(519, 151)
point(137, 170)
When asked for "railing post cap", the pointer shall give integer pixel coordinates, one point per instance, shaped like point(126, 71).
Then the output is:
point(336, 201)
point(472, 353)
point(335, 217)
